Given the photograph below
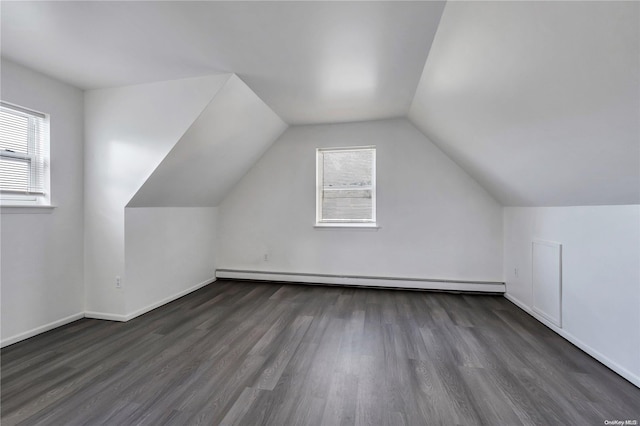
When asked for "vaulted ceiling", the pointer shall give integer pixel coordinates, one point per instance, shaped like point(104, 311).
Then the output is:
point(538, 101)
point(312, 62)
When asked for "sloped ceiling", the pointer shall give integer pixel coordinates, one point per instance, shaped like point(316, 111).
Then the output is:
point(312, 62)
point(539, 101)
point(129, 131)
point(221, 145)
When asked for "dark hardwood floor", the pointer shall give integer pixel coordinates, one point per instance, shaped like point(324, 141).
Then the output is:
point(259, 353)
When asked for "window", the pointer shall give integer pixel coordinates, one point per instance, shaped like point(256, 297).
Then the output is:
point(346, 186)
point(24, 146)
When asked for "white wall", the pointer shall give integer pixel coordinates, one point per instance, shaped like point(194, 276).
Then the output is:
point(600, 275)
point(436, 222)
point(128, 131)
point(41, 263)
point(168, 251)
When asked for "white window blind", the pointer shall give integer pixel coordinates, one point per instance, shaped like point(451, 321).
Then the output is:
point(346, 185)
point(24, 145)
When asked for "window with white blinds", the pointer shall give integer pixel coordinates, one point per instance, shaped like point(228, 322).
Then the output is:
point(346, 186)
point(24, 146)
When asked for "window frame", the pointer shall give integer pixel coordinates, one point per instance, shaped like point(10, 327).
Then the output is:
point(345, 223)
point(30, 198)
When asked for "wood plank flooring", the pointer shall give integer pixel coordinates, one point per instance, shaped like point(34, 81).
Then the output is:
point(260, 353)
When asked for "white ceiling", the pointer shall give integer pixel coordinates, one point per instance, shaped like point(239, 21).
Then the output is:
point(310, 61)
point(539, 101)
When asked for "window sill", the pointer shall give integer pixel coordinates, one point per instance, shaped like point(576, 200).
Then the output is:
point(35, 209)
point(363, 226)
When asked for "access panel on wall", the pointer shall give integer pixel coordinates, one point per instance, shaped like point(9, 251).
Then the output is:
point(547, 280)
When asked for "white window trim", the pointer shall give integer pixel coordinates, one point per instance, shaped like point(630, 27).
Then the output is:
point(32, 202)
point(349, 225)
point(26, 209)
point(372, 223)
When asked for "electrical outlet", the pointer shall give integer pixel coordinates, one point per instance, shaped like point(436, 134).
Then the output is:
point(266, 257)
point(118, 282)
point(515, 271)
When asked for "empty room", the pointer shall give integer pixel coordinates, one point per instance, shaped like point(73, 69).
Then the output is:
point(320, 213)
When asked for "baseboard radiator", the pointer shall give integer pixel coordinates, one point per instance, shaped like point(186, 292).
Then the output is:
point(365, 281)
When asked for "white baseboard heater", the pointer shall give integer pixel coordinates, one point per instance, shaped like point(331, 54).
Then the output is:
point(365, 281)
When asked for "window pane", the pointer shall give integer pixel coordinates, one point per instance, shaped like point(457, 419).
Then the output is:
point(348, 168)
point(14, 175)
point(14, 131)
point(24, 148)
point(347, 205)
point(346, 190)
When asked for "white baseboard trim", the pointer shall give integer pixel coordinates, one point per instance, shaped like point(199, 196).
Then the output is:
point(578, 343)
point(100, 315)
point(105, 316)
point(151, 307)
point(364, 281)
point(38, 330)
point(166, 300)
